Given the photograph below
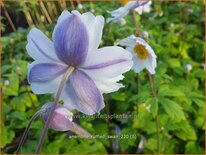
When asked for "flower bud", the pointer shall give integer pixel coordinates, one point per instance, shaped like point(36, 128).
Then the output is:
point(145, 35)
point(189, 67)
point(121, 21)
point(80, 6)
point(18, 69)
point(6, 82)
point(61, 118)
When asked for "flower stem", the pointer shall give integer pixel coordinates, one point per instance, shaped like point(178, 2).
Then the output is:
point(58, 94)
point(137, 31)
point(156, 118)
point(27, 129)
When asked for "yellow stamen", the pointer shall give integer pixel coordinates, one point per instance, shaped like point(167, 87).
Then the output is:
point(141, 51)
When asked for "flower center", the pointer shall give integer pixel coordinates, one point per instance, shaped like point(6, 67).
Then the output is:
point(141, 51)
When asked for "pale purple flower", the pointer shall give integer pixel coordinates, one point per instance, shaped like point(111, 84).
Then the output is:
point(76, 39)
point(144, 8)
point(61, 119)
point(124, 10)
point(143, 54)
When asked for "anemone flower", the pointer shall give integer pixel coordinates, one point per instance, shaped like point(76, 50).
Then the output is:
point(76, 38)
point(143, 54)
point(144, 8)
point(123, 11)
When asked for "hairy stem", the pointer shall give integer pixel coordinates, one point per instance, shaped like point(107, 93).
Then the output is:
point(156, 118)
point(137, 32)
point(58, 94)
point(27, 129)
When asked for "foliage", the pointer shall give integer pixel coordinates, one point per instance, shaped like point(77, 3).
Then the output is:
point(176, 32)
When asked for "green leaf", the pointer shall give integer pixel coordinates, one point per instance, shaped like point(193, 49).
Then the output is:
point(127, 139)
point(173, 63)
point(172, 109)
point(170, 91)
point(193, 148)
point(24, 100)
point(182, 129)
point(6, 136)
point(154, 107)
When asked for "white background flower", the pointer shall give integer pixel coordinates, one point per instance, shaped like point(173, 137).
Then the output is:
point(143, 54)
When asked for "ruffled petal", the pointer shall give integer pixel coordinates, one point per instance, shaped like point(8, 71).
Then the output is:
point(109, 85)
point(82, 94)
point(107, 62)
point(40, 48)
point(71, 39)
point(45, 77)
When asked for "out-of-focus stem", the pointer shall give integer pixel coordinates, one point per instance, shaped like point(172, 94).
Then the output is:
point(156, 118)
point(137, 31)
point(58, 94)
point(27, 129)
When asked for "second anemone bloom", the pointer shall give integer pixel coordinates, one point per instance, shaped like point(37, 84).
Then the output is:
point(76, 39)
point(143, 54)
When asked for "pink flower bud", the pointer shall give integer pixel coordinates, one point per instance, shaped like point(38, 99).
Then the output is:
point(61, 119)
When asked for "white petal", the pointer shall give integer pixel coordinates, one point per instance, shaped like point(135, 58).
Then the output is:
point(129, 41)
point(151, 64)
point(109, 85)
point(45, 87)
point(94, 26)
point(139, 10)
point(106, 55)
point(139, 64)
point(39, 47)
point(119, 13)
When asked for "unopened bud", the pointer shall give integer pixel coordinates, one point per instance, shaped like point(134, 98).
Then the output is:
point(61, 118)
point(121, 21)
point(18, 69)
point(80, 6)
point(6, 82)
point(189, 67)
point(145, 35)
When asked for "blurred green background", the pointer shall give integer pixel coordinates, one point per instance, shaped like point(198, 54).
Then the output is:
point(175, 116)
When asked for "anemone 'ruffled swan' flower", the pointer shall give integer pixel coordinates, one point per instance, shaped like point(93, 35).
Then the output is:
point(143, 54)
point(76, 39)
point(124, 10)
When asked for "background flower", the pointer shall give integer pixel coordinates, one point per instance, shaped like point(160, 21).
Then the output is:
point(144, 8)
point(123, 11)
point(143, 54)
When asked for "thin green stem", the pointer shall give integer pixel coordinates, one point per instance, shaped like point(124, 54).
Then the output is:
point(156, 118)
point(137, 31)
point(58, 94)
point(27, 129)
